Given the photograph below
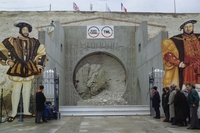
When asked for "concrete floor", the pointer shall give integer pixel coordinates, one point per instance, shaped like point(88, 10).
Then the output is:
point(107, 124)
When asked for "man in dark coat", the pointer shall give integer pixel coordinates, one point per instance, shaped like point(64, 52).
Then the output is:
point(40, 104)
point(180, 107)
point(163, 96)
point(193, 100)
point(156, 102)
point(166, 105)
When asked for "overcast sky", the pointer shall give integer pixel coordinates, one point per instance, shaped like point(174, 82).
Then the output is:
point(166, 6)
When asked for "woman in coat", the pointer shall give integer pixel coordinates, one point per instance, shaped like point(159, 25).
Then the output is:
point(171, 104)
point(180, 108)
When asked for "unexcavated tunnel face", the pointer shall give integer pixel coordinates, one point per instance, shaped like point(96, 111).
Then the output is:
point(100, 80)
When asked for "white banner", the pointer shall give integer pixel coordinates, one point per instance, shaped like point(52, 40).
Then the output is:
point(94, 32)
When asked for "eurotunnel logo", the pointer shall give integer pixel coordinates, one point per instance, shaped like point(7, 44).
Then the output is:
point(94, 32)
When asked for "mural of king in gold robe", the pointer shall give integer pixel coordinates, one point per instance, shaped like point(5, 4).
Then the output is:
point(181, 57)
point(26, 58)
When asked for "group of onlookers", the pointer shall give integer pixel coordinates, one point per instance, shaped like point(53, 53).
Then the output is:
point(44, 109)
point(180, 106)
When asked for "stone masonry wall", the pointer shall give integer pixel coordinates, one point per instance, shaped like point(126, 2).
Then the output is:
point(41, 20)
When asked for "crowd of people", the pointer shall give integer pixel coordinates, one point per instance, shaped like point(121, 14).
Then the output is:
point(181, 107)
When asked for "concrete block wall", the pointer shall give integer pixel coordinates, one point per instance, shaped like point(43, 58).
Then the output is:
point(40, 20)
point(149, 57)
point(55, 47)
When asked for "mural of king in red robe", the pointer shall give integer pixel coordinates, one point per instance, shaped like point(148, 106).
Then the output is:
point(181, 57)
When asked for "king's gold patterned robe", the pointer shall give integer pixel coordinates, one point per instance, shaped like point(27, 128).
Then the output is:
point(177, 49)
point(26, 54)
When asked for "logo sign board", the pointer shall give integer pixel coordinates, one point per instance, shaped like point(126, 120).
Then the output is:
point(105, 32)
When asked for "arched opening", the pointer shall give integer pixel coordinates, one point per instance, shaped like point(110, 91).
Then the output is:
point(100, 79)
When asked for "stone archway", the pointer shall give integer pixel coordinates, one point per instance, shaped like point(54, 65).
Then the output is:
point(100, 79)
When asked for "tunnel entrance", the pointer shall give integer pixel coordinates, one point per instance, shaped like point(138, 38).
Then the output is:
point(100, 79)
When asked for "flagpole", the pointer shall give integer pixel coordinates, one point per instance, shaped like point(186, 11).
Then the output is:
point(174, 6)
point(107, 8)
point(121, 7)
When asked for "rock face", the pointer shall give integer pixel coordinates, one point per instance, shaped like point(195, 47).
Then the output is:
point(100, 80)
point(92, 82)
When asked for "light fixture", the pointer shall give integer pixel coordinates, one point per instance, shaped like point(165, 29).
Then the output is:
point(53, 24)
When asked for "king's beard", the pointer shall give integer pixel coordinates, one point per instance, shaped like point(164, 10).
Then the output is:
point(188, 33)
point(26, 36)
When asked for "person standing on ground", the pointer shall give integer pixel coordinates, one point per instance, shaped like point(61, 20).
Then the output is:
point(185, 92)
point(180, 108)
point(156, 102)
point(40, 104)
point(198, 111)
point(171, 103)
point(193, 100)
point(163, 96)
point(166, 105)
